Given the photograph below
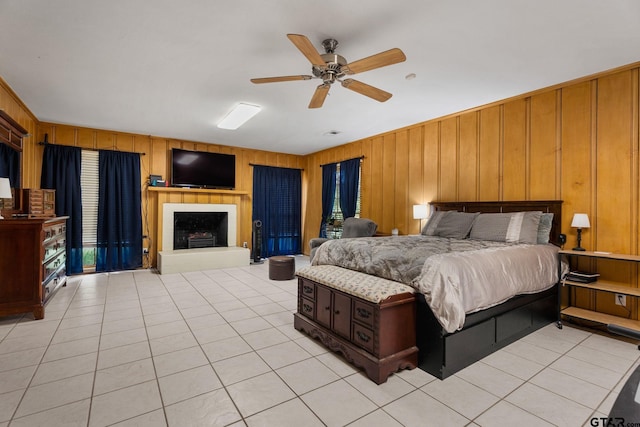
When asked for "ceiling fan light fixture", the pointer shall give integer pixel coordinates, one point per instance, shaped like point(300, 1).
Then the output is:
point(240, 114)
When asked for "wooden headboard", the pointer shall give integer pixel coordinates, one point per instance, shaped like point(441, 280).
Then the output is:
point(547, 206)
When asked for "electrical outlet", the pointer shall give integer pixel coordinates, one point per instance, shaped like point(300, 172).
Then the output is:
point(621, 299)
point(145, 250)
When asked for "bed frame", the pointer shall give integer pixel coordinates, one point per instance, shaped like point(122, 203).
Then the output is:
point(442, 354)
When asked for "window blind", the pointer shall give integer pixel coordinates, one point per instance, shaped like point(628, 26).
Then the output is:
point(90, 183)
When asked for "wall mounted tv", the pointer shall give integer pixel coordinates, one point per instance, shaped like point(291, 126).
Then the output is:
point(202, 169)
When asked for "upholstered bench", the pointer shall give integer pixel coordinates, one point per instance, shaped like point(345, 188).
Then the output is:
point(370, 320)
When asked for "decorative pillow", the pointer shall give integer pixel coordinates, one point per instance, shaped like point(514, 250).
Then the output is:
point(429, 228)
point(456, 225)
point(544, 229)
point(514, 227)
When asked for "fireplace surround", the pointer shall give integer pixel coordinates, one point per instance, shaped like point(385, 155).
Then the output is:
point(223, 253)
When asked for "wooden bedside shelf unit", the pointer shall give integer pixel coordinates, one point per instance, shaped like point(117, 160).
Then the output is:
point(600, 285)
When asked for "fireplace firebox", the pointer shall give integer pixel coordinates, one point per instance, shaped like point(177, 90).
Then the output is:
point(200, 230)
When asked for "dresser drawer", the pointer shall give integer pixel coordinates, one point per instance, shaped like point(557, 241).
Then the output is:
point(363, 337)
point(363, 312)
point(307, 307)
point(52, 266)
point(53, 247)
point(307, 290)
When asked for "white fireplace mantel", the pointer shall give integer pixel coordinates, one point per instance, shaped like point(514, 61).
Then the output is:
point(168, 210)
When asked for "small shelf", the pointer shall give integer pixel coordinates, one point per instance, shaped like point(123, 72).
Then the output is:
point(603, 318)
point(607, 286)
point(605, 255)
point(198, 190)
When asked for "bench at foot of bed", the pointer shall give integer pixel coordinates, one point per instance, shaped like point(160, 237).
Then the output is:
point(370, 320)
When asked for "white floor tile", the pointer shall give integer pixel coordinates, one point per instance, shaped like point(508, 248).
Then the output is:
point(338, 403)
point(124, 403)
point(292, 413)
point(187, 384)
point(259, 393)
point(214, 409)
point(172, 348)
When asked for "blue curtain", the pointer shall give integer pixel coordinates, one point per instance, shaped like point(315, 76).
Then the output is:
point(277, 202)
point(10, 165)
point(349, 181)
point(328, 194)
point(119, 245)
point(61, 166)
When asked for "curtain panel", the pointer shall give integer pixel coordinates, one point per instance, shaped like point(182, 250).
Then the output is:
point(61, 167)
point(277, 202)
point(349, 182)
point(10, 165)
point(119, 237)
point(328, 194)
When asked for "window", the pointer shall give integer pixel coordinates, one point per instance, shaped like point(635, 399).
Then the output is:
point(334, 225)
point(89, 182)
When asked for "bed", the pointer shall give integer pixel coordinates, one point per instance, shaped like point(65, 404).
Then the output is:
point(451, 331)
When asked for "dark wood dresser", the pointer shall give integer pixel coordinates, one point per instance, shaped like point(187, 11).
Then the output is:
point(32, 263)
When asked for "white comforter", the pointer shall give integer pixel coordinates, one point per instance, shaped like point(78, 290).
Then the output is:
point(457, 277)
point(456, 284)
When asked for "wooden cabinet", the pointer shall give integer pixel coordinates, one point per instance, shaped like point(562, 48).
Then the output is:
point(36, 202)
point(32, 263)
point(602, 285)
point(377, 337)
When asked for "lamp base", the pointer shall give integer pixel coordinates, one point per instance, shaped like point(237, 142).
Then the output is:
point(579, 249)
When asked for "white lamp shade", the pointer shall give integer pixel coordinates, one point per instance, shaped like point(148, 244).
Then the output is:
point(420, 211)
point(580, 220)
point(5, 188)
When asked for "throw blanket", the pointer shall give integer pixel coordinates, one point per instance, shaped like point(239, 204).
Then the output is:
point(456, 276)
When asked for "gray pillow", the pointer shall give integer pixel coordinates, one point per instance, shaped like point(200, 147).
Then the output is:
point(358, 227)
point(514, 227)
point(544, 229)
point(429, 228)
point(455, 225)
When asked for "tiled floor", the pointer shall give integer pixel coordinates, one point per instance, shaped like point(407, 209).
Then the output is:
point(217, 348)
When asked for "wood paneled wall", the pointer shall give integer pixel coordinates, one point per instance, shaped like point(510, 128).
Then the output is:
point(14, 107)
point(156, 161)
point(577, 142)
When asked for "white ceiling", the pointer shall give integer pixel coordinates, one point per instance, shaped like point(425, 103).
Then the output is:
point(175, 68)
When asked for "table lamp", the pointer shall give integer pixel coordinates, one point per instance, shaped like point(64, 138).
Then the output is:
point(580, 221)
point(420, 212)
point(5, 191)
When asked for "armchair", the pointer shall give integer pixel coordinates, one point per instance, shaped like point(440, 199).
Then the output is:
point(351, 227)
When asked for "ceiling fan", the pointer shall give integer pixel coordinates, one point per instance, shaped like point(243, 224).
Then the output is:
point(331, 67)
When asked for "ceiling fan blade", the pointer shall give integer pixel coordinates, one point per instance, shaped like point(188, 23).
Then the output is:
point(319, 95)
point(366, 90)
point(304, 45)
point(280, 79)
point(382, 59)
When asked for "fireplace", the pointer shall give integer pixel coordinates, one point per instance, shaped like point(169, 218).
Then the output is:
point(208, 245)
point(203, 221)
point(199, 230)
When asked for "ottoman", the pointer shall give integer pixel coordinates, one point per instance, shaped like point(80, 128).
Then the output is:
point(282, 267)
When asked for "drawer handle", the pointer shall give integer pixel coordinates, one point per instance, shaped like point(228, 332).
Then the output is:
point(327, 308)
point(363, 337)
point(337, 312)
point(307, 289)
point(365, 314)
point(307, 308)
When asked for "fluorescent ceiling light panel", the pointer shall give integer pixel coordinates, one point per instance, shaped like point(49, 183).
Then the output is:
point(238, 116)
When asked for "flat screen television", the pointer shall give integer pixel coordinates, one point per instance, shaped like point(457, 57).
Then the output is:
point(202, 169)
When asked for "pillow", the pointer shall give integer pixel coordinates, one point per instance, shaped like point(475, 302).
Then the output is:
point(430, 227)
point(544, 229)
point(456, 225)
point(514, 227)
